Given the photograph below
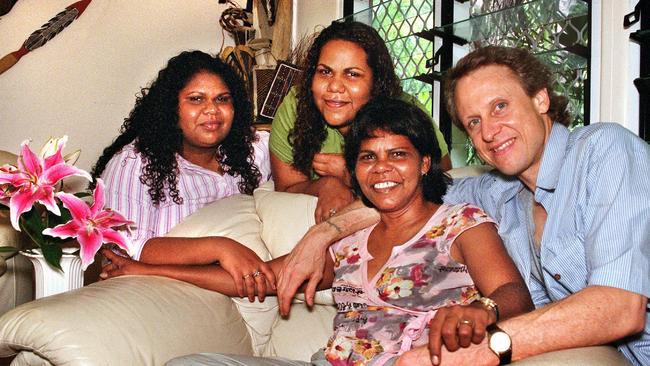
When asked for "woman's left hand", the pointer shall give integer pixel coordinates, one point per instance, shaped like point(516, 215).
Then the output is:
point(251, 275)
point(120, 266)
point(458, 326)
point(334, 196)
point(333, 165)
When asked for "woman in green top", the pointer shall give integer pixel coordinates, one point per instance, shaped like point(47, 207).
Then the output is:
point(347, 65)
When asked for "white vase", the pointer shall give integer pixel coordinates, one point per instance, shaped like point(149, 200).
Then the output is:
point(50, 281)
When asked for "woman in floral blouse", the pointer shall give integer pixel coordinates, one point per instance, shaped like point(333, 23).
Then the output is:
point(413, 279)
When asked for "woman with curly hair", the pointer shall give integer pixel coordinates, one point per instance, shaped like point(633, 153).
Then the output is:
point(346, 66)
point(188, 141)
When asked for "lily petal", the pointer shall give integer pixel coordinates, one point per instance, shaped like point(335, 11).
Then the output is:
point(90, 242)
point(78, 208)
point(110, 218)
point(98, 197)
point(57, 172)
point(30, 162)
point(52, 146)
point(112, 236)
point(68, 230)
point(20, 203)
point(45, 195)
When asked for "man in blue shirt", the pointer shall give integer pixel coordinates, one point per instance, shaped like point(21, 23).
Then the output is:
point(572, 207)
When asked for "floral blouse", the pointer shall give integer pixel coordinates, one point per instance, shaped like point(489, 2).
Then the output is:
point(382, 317)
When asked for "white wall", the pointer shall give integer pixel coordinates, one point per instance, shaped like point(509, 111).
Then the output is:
point(615, 65)
point(313, 15)
point(83, 81)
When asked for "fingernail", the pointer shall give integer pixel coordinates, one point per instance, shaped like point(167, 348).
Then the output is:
point(103, 275)
point(435, 360)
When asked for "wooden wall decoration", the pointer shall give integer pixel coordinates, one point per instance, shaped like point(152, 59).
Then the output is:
point(45, 33)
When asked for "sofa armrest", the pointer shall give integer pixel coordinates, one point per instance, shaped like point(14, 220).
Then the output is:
point(131, 320)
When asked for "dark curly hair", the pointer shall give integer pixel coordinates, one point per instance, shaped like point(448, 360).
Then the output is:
point(309, 131)
point(153, 125)
point(533, 76)
point(400, 118)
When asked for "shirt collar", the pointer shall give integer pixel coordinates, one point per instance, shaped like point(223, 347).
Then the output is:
point(553, 157)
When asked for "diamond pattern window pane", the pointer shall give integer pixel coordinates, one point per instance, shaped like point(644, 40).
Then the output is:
point(397, 21)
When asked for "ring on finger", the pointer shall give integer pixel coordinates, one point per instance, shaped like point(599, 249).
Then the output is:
point(248, 275)
point(257, 274)
point(465, 322)
point(332, 211)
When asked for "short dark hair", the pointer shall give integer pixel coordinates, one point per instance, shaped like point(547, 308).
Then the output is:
point(400, 118)
point(533, 76)
point(310, 131)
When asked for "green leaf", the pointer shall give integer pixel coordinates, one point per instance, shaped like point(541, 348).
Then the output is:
point(83, 194)
point(11, 250)
point(54, 220)
point(52, 254)
point(30, 223)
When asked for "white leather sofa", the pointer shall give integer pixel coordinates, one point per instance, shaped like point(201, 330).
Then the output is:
point(139, 320)
point(16, 272)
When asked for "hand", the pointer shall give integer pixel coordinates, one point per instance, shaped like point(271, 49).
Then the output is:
point(332, 197)
point(120, 265)
point(475, 355)
point(306, 262)
point(249, 272)
point(458, 326)
point(332, 165)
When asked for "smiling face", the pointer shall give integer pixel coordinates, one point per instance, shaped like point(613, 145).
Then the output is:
point(389, 171)
point(205, 113)
point(508, 128)
point(342, 83)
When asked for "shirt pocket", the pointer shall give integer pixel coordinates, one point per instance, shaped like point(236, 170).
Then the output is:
point(564, 265)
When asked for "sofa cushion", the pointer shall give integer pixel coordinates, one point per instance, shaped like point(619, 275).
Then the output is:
point(235, 217)
point(286, 217)
point(129, 320)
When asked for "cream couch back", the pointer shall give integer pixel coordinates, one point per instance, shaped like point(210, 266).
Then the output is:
point(270, 223)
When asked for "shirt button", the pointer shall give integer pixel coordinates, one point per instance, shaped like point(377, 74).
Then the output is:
point(557, 276)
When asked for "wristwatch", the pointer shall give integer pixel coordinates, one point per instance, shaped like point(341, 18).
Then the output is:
point(500, 343)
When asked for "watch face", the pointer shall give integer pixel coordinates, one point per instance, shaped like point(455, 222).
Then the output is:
point(499, 342)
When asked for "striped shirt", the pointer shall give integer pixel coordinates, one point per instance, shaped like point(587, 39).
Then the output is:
point(594, 184)
point(196, 185)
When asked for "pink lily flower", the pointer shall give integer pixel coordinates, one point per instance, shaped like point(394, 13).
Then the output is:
point(91, 225)
point(34, 180)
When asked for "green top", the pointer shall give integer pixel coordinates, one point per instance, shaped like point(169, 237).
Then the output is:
point(285, 120)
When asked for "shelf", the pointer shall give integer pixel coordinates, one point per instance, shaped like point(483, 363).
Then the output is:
point(643, 85)
point(641, 36)
point(563, 60)
point(431, 34)
point(429, 78)
point(548, 15)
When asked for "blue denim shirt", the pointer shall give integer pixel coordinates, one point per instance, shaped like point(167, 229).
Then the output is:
point(594, 184)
